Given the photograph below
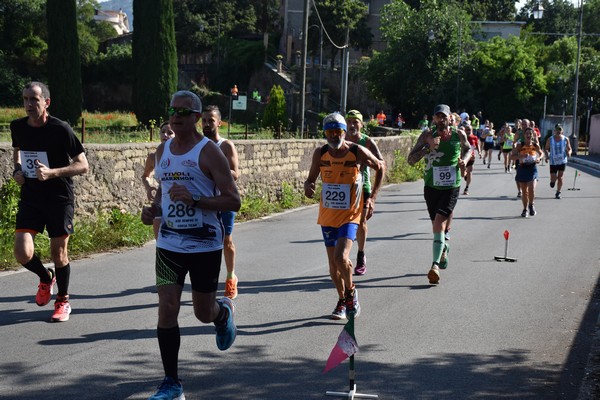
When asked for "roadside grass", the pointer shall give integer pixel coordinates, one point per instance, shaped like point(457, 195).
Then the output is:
point(403, 172)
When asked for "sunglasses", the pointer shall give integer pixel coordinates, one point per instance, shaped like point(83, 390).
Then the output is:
point(181, 111)
point(334, 132)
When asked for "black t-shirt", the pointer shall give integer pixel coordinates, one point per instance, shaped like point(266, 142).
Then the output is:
point(59, 142)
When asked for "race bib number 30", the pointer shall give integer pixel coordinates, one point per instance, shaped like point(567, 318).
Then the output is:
point(28, 159)
point(336, 196)
point(444, 176)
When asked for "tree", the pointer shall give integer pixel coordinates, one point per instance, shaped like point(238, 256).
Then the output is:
point(558, 61)
point(340, 19)
point(22, 43)
point(91, 32)
point(560, 16)
point(275, 113)
point(64, 68)
point(11, 84)
point(154, 58)
point(267, 15)
point(420, 65)
point(112, 68)
point(480, 10)
point(490, 10)
point(508, 78)
point(241, 59)
point(591, 16)
point(202, 23)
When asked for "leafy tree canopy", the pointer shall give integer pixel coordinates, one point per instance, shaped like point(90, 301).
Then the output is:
point(480, 10)
point(420, 65)
point(201, 23)
point(341, 18)
point(508, 78)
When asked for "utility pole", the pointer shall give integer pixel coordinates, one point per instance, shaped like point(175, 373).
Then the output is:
point(574, 134)
point(459, 23)
point(303, 65)
point(345, 67)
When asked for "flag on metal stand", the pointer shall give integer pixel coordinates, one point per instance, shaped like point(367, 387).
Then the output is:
point(345, 347)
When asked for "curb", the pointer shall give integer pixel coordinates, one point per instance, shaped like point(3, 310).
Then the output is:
point(587, 163)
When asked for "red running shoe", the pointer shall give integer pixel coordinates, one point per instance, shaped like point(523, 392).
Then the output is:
point(62, 309)
point(45, 290)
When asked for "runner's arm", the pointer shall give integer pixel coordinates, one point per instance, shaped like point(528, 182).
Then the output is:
point(420, 148)
point(148, 168)
point(366, 157)
point(215, 165)
point(232, 157)
point(18, 175)
point(465, 147)
point(313, 174)
point(79, 166)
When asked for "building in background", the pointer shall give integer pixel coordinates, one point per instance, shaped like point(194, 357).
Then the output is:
point(117, 19)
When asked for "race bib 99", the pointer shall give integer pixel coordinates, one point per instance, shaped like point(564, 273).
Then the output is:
point(444, 176)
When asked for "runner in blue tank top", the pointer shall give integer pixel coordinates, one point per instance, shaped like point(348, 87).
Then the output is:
point(558, 150)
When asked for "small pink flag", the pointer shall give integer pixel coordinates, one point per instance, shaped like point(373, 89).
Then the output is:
point(345, 347)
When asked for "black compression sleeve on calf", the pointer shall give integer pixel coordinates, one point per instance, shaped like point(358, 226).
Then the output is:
point(62, 279)
point(36, 266)
point(169, 340)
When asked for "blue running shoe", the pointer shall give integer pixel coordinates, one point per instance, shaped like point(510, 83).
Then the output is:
point(169, 390)
point(227, 331)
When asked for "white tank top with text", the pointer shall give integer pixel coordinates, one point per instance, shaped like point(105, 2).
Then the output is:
point(183, 228)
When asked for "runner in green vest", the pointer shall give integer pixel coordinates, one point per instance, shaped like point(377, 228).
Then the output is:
point(354, 119)
point(447, 152)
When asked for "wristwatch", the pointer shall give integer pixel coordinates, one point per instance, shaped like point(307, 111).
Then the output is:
point(196, 198)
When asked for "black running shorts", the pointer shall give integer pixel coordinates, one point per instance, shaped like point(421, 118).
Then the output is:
point(440, 201)
point(57, 219)
point(204, 268)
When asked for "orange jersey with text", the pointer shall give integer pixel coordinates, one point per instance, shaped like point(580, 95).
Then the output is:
point(341, 196)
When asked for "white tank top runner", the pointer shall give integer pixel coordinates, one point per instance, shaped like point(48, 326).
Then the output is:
point(185, 228)
point(558, 151)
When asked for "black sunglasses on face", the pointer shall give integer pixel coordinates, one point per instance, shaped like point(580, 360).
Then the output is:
point(181, 111)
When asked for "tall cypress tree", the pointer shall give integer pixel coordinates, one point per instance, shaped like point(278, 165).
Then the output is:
point(154, 58)
point(64, 67)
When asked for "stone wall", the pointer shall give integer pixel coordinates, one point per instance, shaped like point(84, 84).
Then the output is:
point(114, 178)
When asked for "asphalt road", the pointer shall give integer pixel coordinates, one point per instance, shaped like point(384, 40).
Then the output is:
point(490, 330)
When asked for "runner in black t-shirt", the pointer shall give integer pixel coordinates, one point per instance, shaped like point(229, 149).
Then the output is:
point(46, 155)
